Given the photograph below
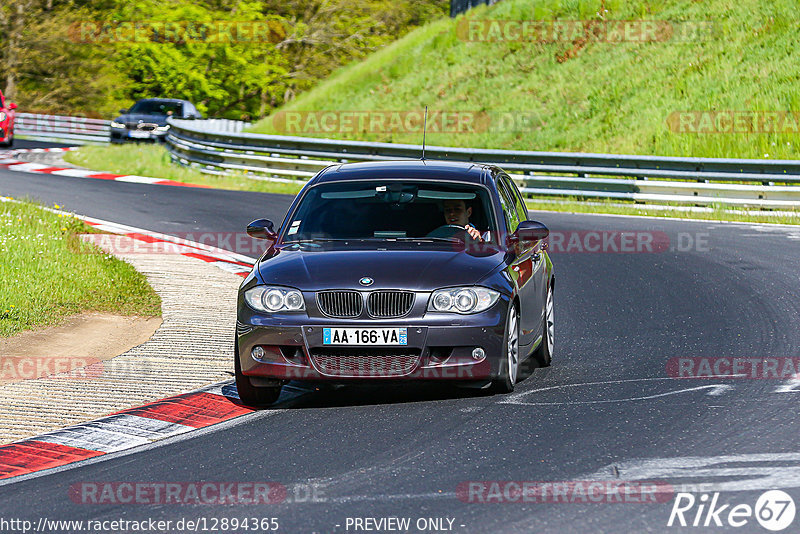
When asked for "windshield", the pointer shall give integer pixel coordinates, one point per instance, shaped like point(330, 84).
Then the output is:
point(393, 210)
point(157, 107)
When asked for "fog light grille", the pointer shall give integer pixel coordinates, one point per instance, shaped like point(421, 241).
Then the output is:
point(360, 363)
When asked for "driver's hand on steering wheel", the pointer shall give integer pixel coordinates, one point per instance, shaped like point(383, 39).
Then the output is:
point(473, 232)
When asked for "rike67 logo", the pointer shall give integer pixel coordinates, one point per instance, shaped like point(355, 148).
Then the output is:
point(774, 510)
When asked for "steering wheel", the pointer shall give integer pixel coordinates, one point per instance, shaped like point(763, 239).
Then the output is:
point(448, 230)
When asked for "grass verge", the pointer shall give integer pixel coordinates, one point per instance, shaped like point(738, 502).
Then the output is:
point(615, 207)
point(154, 161)
point(47, 273)
point(580, 92)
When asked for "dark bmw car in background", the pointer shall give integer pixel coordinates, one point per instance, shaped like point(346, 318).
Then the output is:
point(7, 115)
point(147, 119)
point(372, 278)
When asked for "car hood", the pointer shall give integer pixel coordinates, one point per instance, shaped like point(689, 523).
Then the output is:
point(420, 270)
point(135, 118)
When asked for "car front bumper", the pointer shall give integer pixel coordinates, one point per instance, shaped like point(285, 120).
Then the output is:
point(123, 135)
point(440, 347)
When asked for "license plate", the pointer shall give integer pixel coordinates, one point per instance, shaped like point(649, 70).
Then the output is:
point(365, 336)
point(139, 135)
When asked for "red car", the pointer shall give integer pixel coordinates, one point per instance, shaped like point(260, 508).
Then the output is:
point(6, 121)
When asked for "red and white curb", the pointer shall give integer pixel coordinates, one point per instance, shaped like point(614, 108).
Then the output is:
point(223, 259)
point(123, 430)
point(7, 161)
point(141, 425)
point(14, 151)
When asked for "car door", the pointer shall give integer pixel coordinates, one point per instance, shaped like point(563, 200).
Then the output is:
point(540, 277)
point(522, 266)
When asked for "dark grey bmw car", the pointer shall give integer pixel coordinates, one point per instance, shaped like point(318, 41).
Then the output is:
point(410, 270)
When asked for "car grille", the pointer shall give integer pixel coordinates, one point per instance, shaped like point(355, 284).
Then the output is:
point(361, 363)
point(340, 303)
point(390, 303)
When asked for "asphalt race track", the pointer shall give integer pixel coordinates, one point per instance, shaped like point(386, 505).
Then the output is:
point(607, 409)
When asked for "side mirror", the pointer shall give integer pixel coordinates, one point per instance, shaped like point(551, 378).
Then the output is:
point(528, 232)
point(262, 229)
point(12, 105)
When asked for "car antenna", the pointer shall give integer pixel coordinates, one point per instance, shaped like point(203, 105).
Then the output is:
point(424, 129)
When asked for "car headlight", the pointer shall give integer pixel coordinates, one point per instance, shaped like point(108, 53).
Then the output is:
point(462, 300)
point(117, 125)
point(162, 128)
point(274, 299)
point(3, 116)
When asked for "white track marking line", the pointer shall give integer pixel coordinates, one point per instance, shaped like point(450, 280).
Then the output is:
point(113, 433)
point(514, 396)
point(76, 173)
point(29, 167)
point(759, 477)
point(139, 179)
point(716, 391)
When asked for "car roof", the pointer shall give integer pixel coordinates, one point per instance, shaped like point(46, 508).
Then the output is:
point(456, 171)
point(161, 100)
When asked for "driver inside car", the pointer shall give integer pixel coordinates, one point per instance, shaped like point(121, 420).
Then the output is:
point(456, 212)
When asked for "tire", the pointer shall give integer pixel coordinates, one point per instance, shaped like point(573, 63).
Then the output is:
point(509, 365)
point(10, 141)
point(544, 352)
point(249, 394)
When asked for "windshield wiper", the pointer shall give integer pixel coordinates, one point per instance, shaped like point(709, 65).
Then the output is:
point(316, 240)
point(447, 239)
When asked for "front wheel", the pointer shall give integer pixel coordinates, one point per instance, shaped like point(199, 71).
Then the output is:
point(509, 364)
point(249, 394)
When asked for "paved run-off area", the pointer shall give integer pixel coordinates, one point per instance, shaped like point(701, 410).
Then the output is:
point(192, 348)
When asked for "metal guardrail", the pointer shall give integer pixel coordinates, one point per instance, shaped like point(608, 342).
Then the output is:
point(222, 125)
point(79, 130)
point(82, 130)
point(696, 181)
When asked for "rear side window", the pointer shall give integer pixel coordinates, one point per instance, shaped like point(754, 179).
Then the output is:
point(509, 206)
point(519, 201)
point(190, 111)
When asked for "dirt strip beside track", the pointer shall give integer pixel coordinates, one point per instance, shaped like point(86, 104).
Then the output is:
point(192, 348)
